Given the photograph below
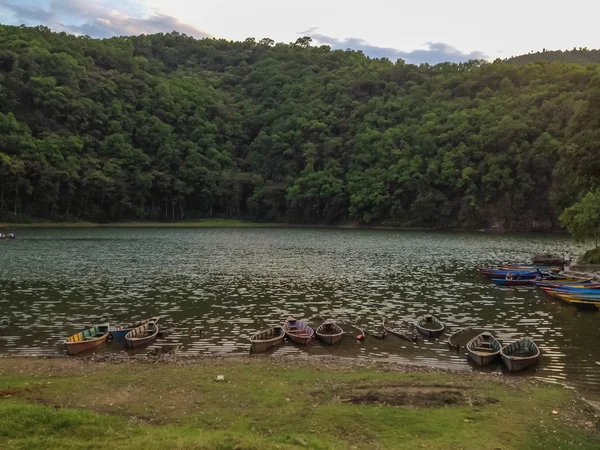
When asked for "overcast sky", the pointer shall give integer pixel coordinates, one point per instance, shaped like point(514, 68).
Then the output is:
point(417, 31)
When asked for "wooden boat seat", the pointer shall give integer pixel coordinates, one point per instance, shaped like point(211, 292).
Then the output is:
point(483, 349)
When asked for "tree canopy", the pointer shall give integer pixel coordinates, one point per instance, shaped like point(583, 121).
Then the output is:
point(168, 127)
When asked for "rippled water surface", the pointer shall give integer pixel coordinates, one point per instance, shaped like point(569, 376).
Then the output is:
point(215, 287)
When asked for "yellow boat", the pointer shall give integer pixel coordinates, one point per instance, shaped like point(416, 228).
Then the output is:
point(576, 301)
point(87, 339)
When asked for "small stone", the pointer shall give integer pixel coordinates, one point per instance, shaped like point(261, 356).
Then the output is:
point(220, 378)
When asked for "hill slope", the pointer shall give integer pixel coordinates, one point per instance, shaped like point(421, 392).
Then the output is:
point(169, 127)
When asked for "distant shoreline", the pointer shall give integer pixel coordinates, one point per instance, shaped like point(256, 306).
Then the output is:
point(232, 223)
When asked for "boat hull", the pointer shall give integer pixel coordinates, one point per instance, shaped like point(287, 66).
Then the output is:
point(87, 340)
point(483, 349)
point(142, 335)
point(329, 333)
point(462, 337)
point(513, 362)
point(266, 339)
point(434, 328)
point(74, 348)
point(298, 332)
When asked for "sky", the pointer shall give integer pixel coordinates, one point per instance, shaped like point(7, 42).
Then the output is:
point(430, 31)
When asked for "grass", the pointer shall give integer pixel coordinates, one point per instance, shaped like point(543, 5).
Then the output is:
point(267, 403)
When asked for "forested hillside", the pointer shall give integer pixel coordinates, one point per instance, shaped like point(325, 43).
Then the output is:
point(167, 127)
point(575, 56)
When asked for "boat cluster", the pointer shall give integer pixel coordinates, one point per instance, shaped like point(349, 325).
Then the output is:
point(135, 335)
point(580, 292)
point(331, 332)
point(483, 349)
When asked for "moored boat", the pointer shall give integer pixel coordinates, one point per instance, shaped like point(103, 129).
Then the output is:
point(142, 335)
point(518, 282)
point(119, 332)
point(87, 339)
point(400, 330)
point(298, 331)
point(429, 325)
point(484, 349)
point(266, 339)
point(329, 333)
point(520, 354)
point(462, 337)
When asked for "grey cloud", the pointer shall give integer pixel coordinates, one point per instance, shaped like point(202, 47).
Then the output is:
point(437, 52)
point(28, 13)
point(98, 21)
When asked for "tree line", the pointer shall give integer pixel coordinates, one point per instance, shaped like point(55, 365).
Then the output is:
point(168, 127)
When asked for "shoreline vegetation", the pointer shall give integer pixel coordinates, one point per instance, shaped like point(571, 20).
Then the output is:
point(269, 402)
point(235, 223)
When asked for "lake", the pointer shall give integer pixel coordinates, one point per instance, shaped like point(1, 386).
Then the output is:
point(215, 287)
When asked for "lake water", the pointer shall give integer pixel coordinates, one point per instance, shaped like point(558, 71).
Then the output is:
point(215, 287)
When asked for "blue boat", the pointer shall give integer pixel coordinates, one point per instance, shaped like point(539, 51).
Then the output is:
point(119, 332)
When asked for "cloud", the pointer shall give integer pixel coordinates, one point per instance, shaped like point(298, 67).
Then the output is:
point(435, 53)
point(96, 20)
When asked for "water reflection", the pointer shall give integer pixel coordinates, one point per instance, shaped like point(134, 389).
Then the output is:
point(214, 288)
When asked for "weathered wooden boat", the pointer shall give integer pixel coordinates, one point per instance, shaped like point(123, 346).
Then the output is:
point(142, 335)
point(266, 339)
point(518, 282)
point(87, 339)
point(429, 325)
point(298, 331)
point(520, 354)
point(329, 333)
point(483, 349)
point(462, 337)
point(402, 331)
point(119, 332)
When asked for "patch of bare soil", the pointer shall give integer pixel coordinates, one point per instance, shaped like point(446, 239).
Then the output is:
point(423, 397)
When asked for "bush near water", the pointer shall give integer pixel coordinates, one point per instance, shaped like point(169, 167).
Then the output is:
point(167, 127)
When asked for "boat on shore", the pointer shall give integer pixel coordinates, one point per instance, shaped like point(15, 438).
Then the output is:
point(429, 325)
point(401, 330)
point(119, 332)
point(142, 335)
point(87, 339)
point(329, 333)
point(461, 337)
point(298, 331)
point(520, 354)
point(266, 339)
point(484, 349)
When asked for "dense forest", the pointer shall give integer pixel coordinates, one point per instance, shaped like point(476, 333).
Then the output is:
point(168, 127)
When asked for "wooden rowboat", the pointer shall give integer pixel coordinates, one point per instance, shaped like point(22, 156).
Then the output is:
point(520, 354)
point(298, 331)
point(403, 331)
point(329, 333)
point(266, 339)
point(142, 335)
point(87, 339)
point(462, 337)
point(429, 326)
point(118, 332)
point(484, 349)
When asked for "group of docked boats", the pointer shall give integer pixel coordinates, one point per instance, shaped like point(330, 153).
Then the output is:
point(135, 335)
point(329, 332)
point(584, 293)
point(483, 349)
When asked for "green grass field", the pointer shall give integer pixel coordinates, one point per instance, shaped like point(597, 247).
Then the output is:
point(266, 403)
